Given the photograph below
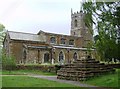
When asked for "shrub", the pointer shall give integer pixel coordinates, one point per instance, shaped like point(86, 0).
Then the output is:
point(44, 68)
point(57, 67)
point(8, 63)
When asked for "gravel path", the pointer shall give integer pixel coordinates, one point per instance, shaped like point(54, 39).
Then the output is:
point(77, 83)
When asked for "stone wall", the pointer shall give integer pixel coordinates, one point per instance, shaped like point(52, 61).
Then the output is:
point(16, 50)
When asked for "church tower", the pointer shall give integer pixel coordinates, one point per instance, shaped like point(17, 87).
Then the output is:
point(77, 24)
point(78, 27)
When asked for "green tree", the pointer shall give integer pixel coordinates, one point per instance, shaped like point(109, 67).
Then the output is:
point(2, 34)
point(106, 18)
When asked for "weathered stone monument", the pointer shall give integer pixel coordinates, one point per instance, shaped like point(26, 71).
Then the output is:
point(83, 69)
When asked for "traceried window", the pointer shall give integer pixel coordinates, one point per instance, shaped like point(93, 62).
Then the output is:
point(71, 42)
point(75, 22)
point(46, 57)
point(61, 58)
point(52, 40)
point(62, 41)
point(75, 56)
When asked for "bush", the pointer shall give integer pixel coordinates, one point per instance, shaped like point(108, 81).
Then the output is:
point(57, 67)
point(44, 68)
point(8, 63)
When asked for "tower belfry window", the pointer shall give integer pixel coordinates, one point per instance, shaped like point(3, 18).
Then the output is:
point(75, 23)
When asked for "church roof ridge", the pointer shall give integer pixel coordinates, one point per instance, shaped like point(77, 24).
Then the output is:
point(22, 32)
point(25, 36)
point(57, 34)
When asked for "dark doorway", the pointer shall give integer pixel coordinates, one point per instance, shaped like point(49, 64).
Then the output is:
point(24, 56)
point(46, 57)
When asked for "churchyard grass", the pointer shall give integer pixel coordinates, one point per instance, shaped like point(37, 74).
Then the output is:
point(24, 81)
point(107, 80)
point(25, 72)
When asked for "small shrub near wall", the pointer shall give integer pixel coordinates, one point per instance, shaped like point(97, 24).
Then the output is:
point(44, 68)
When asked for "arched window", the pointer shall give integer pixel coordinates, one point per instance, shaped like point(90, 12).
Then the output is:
point(62, 41)
point(75, 23)
point(75, 56)
point(61, 57)
point(71, 42)
point(52, 40)
point(74, 33)
point(24, 54)
point(46, 57)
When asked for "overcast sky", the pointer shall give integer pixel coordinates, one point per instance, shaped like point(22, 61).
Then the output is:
point(34, 15)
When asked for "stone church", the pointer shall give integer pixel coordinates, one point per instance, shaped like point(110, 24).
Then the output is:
point(45, 47)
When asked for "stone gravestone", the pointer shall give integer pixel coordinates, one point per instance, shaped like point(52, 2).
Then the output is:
point(83, 69)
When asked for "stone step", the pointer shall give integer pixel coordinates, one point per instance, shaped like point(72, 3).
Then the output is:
point(83, 66)
point(86, 59)
point(83, 70)
point(85, 62)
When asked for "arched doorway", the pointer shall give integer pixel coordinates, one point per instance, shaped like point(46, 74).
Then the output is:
point(75, 56)
point(61, 58)
point(46, 57)
point(24, 57)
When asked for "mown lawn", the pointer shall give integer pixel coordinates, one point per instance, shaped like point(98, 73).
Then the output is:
point(24, 81)
point(24, 72)
point(108, 80)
